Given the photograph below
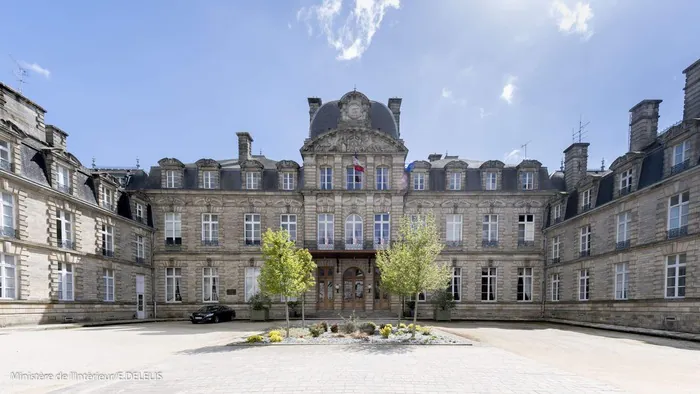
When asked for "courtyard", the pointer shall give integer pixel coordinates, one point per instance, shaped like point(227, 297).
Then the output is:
point(504, 358)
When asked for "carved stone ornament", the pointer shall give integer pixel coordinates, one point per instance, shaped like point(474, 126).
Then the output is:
point(170, 162)
point(492, 164)
point(207, 163)
point(529, 164)
point(288, 164)
point(354, 140)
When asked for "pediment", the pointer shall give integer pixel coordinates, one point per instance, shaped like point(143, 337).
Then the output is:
point(207, 163)
point(455, 203)
point(492, 164)
point(208, 201)
point(13, 129)
point(626, 158)
point(421, 164)
point(420, 204)
point(170, 162)
point(252, 165)
point(354, 141)
point(527, 204)
point(492, 204)
point(288, 202)
point(457, 165)
point(288, 164)
point(527, 163)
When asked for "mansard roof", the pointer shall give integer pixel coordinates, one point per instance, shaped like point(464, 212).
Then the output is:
point(327, 117)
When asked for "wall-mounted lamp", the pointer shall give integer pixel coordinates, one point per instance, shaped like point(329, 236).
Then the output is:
point(337, 288)
point(369, 289)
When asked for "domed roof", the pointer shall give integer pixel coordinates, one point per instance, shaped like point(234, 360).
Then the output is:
point(326, 119)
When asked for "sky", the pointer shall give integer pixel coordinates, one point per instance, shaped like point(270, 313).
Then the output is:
point(478, 78)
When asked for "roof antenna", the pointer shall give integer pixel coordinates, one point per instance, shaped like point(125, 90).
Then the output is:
point(602, 165)
point(561, 166)
point(138, 164)
point(354, 87)
point(21, 73)
point(580, 133)
point(94, 167)
point(524, 146)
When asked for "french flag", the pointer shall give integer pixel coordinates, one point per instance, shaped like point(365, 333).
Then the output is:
point(356, 163)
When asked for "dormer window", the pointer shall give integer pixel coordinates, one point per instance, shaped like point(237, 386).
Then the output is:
point(63, 181)
point(107, 197)
point(681, 157)
point(586, 199)
point(208, 179)
point(170, 179)
point(527, 180)
point(491, 180)
point(418, 181)
point(626, 182)
point(288, 181)
point(455, 181)
point(556, 213)
point(5, 156)
point(252, 180)
point(140, 216)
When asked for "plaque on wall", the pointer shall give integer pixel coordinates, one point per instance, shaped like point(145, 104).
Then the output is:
point(230, 291)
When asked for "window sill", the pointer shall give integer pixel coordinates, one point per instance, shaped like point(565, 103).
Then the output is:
point(173, 302)
point(621, 299)
point(109, 301)
point(524, 301)
point(210, 302)
point(674, 298)
point(489, 301)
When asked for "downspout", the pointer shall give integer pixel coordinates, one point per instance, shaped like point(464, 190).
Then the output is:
point(153, 274)
point(544, 277)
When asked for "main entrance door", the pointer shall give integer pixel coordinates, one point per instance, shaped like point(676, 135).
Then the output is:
point(325, 288)
point(354, 289)
point(381, 298)
point(140, 302)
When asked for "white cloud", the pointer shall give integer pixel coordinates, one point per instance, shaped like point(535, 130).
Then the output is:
point(466, 72)
point(483, 113)
point(446, 93)
point(573, 20)
point(509, 89)
point(37, 69)
point(289, 26)
point(512, 157)
point(352, 38)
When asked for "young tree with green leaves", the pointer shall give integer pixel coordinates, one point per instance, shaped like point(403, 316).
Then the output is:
point(308, 281)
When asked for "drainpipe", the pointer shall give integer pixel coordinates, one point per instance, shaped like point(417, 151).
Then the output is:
point(153, 274)
point(544, 278)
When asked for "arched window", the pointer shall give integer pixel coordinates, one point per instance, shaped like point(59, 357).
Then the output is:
point(353, 232)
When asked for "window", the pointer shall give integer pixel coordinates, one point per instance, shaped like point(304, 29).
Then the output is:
point(422, 296)
point(455, 181)
point(325, 230)
point(210, 284)
point(354, 179)
point(382, 178)
point(418, 181)
point(252, 229)
point(381, 229)
point(107, 198)
point(65, 282)
point(524, 284)
point(557, 213)
point(208, 179)
point(527, 180)
point(7, 220)
point(454, 229)
point(289, 223)
point(64, 230)
point(681, 153)
point(585, 241)
point(621, 281)
point(626, 182)
point(583, 285)
point(623, 221)
point(140, 248)
point(210, 229)
point(139, 213)
point(526, 230)
point(555, 287)
point(251, 282)
point(675, 276)
point(63, 182)
point(8, 277)
point(455, 287)
point(287, 181)
point(678, 215)
point(5, 156)
point(170, 179)
point(173, 278)
point(252, 180)
point(107, 240)
point(586, 199)
point(490, 229)
point(173, 229)
point(353, 232)
point(326, 178)
point(108, 277)
point(491, 181)
point(556, 246)
point(488, 284)
point(417, 220)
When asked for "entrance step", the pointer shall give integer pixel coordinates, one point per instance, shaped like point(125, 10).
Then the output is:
point(336, 315)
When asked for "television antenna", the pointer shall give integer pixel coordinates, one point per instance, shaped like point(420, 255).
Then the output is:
point(21, 73)
point(581, 132)
point(524, 147)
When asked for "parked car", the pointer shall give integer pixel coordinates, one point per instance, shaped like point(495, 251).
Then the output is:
point(213, 314)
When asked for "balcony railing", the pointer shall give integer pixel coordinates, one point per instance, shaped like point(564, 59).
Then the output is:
point(64, 189)
point(252, 242)
point(525, 244)
point(107, 252)
point(108, 206)
point(557, 219)
point(680, 167)
point(584, 253)
point(66, 244)
point(8, 232)
point(454, 244)
point(555, 260)
point(625, 190)
point(140, 260)
point(140, 219)
point(489, 244)
point(210, 242)
point(677, 232)
point(6, 165)
point(343, 245)
point(173, 243)
point(586, 207)
point(622, 244)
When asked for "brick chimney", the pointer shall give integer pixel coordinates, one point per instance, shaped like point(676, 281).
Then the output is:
point(575, 164)
point(314, 104)
point(644, 124)
point(691, 100)
point(245, 146)
point(395, 108)
point(434, 157)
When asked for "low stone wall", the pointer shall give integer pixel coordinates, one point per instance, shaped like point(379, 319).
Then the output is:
point(19, 313)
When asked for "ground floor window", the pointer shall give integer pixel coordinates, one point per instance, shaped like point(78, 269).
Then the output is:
point(456, 284)
point(251, 282)
point(65, 282)
point(488, 284)
point(109, 285)
point(524, 284)
point(210, 284)
point(621, 281)
point(583, 287)
point(173, 282)
point(8, 277)
point(555, 287)
point(675, 276)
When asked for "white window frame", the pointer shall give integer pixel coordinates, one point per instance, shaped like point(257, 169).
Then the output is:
point(382, 229)
point(556, 247)
point(585, 239)
point(108, 277)
point(351, 176)
point(682, 150)
point(8, 276)
point(382, 181)
point(678, 211)
point(139, 212)
point(527, 223)
point(353, 232)
point(210, 227)
point(108, 239)
point(7, 218)
point(527, 180)
point(288, 222)
point(66, 284)
point(557, 212)
point(173, 275)
point(107, 198)
point(555, 285)
point(491, 276)
point(253, 179)
point(140, 247)
point(173, 227)
point(210, 285)
point(677, 264)
point(584, 293)
point(326, 178)
point(623, 222)
point(65, 227)
point(5, 155)
point(251, 284)
point(626, 180)
point(586, 198)
point(491, 180)
point(63, 180)
point(490, 228)
point(208, 179)
point(170, 179)
point(455, 181)
point(287, 181)
point(252, 229)
point(453, 231)
point(416, 220)
point(418, 181)
point(525, 274)
point(455, 287)
point(325, 227)
point(621, 281)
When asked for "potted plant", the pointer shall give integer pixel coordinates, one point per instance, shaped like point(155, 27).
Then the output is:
point(444, 303)
point(293, 308)
point(411, 305)
point(259, 307)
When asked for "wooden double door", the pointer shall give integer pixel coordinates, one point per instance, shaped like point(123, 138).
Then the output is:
point(354, 289)
point(325, 288)
point(381, 298)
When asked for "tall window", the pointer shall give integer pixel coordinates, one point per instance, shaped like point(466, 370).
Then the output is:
point(621, 280)
point(353, 232)
point(678, 214)
point(555, 287)
point(173, 278)
point(251, 282)
point(586, 199)
point(526, 229)
point(326, 178)
point(527, 180)
point(173, 228)
point(210, 284)
point(381, 229)
point(7, 221)
point(455, 181)
point(170, 179)
point(140, 213)
point(108, 276)
point(417, 220)
point(585, 241)
point(8, 277)
point(325, 230)
point(681, 153)
point(210, 229)
point(63, 179)
point(557, 213)
point(488, 284)
point(623, 221)
point(382, 178)
point(490, 229)
point(107, 240)
point(454, 229)
point(252, 229)
point(675, 276)
point(354, 179)
point(556, 246)
point(252, 180)
point(456, 284)
point(524, 284)
point(583, 288)
point(289, 224)
point(64, 229)
point(5, 156)
point(418, 181)
point(208, 179)
point(140, 249)
point(65, 282)
point(491, 181)
point(107, 198)
point(287, 181)
point(626, 182)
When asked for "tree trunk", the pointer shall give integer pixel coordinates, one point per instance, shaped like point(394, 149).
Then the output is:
point(415, 316)
point(303, 318)
point(286, 309)
point(403, 305)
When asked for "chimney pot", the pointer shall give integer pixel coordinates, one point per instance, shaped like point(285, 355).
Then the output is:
point(314, 104)
point(575, 164)
point(434, 157)
point(691, 98)
point(644, 124)
point(245, 146)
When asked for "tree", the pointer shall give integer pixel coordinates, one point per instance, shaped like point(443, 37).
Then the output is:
point(410, 262)
point(308, 279)
point(389, 263)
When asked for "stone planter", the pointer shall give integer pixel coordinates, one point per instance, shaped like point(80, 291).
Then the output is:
point(259, 315)
point(443, 315)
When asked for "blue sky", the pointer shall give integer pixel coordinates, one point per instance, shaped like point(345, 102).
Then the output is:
point(478, 78)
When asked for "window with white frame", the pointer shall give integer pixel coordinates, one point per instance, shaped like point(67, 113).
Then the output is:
point(354, 179)
point(455, 181)
point(422, 296)
point(583, 287)
point(621, 281)
point(417, 220)
point(251, 282)
point(455, 287)
point(623, 223)
point(418, 181)
point(491, 180)
point(252, 180)
point(353, 231)
point(5, 156)
point(585, 241)
point(488, 283)
point(107, 197)
point(586, 199)
point(557, 213)
point(289, 223)
point(8, 277)
point(675, 276)
point(64, 229)
point(208, 179)
point(63, 182)
point(210, 229)
point(140, 212)
point(326, 178)
point(626, 181)
point(210, 284)
point(381, 229)
point(140, 248)
point(287, 181)
point(173, 228)
point(681, 153)
point(107, 240)
point(454, 228)
point(678, 212)
point(524, 290)
point(526, 229)
point(173, 279)
point(252, 229)
point(555, 287)
point(556, 247)
point(108, 276)
point(7, 220)
point(65, 282)
point(325, 229)
point(490, 228)
point(382, 178)
point(527, 180)
point(170, 179)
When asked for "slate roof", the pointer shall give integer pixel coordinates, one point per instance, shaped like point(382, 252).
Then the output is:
point(326, 119)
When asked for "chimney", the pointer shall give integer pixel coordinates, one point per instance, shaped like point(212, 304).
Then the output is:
point(575, 164)
point(691, 100)
point(56, 137)
point(314, 104)
point(395, 108)
point(644, 124)
point(434, 157)
point(245, 146)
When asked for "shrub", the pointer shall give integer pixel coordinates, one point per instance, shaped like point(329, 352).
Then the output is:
point(260, 301)
point(254, 339)
point(316, 330)
point(275, 338)
point(368, 328)
point(443, 300)
point(359, 335)
point(410, 327)
point(274, 333)
point(350, 324)
point(325, 326)
point(334, 328)
point(385, 331)
point(401, 326)
point(386, 325)
point(425, 330)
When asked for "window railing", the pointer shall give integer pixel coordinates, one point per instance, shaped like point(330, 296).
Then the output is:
point(343, 245)
point(108, 206)
point(584, 253)
point(210, 242)
point(66, 244)
point(7, 166)
point(107, 252)
point(586, 207)
point(680, 167)
point(173, 243)
point(489, 244)
point(354, 244)
point(63, 188)
point(252, 242)
point(140, 219)
point(453, 244)
point(557, 219)
point(140, 260)
point(555, 260)
point(625, 190)
point(8, 232)
point(525, 244)
point(622, 245)
point(677, 232)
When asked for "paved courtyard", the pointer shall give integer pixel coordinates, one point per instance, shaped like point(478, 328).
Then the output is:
point(505, 358)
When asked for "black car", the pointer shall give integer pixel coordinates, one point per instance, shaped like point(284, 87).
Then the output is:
point(213, 314)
